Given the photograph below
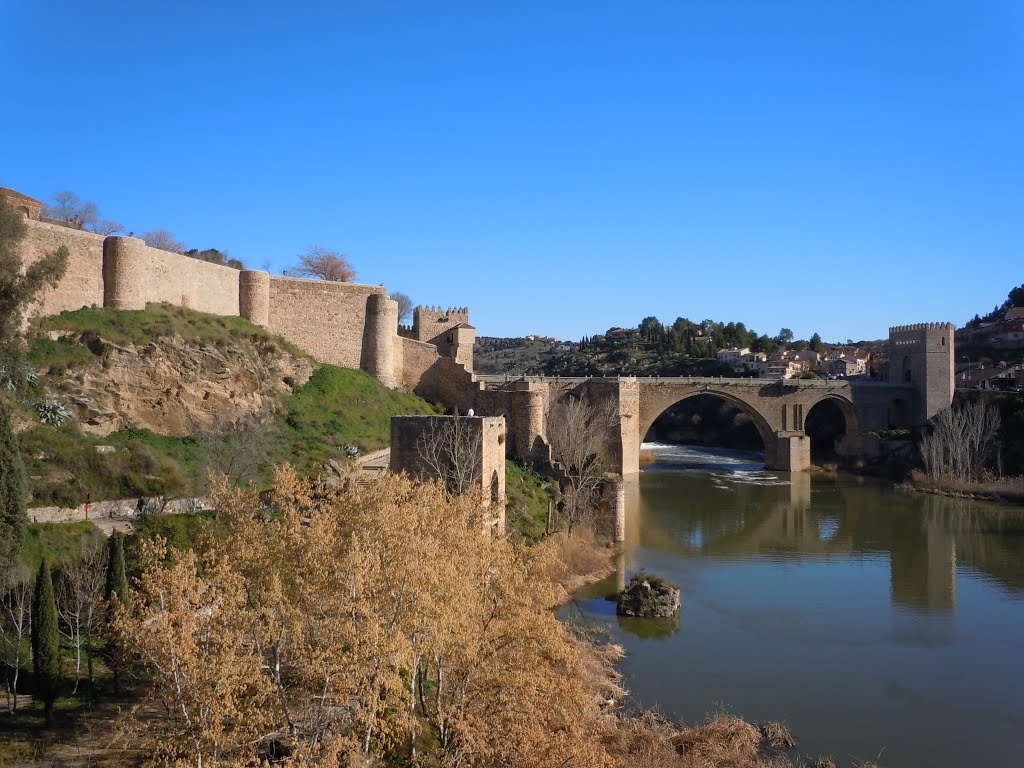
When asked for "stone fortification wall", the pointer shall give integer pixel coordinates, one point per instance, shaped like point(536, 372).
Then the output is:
point(428, 323)
point(135, 274)
point(346, 324)
point(486, 434)
point(328, 320)
point(82, 285)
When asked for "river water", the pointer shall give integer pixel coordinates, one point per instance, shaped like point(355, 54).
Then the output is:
point(877, 624)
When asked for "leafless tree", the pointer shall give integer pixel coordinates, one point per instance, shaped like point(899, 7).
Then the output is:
point(240, 449)
point(404, 306)
point(961, 441)
point(107, 227)
point(450, 451)
point(71, 209)
point(79, 600)
point(16, 587)
point(577, 430)
point(164, 240)
point(321, 263)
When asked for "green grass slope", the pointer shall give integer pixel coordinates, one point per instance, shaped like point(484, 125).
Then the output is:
point(335, 408)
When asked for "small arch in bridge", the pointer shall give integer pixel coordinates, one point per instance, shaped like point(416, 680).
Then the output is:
point(833, 428)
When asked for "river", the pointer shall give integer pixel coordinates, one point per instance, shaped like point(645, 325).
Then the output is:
point(879, 625)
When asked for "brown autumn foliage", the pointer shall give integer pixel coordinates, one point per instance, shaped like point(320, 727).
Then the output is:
point(378, 625)
point(373, 622)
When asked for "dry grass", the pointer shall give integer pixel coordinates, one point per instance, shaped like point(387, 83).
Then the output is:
point(777, 735)
point(724, 741)
point(581, 558)
point(1009, 489)
point(647, 457)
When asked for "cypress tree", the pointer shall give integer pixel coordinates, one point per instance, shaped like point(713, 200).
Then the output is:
point(13, 519)
point(116, 590)
point(117, 581)
point(45, 641)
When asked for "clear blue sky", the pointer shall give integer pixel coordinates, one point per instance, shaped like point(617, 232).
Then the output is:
point(559, 167)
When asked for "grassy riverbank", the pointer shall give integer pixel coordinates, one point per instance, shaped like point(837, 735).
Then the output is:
point(1006, 490)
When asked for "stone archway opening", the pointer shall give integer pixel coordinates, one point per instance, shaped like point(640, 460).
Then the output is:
point(709, 421)
point(832, 427)
point(825, 425)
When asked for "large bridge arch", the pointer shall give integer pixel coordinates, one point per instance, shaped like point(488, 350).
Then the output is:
point(653, 407)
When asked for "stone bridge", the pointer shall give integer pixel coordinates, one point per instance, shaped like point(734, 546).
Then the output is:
point(919, 385)
point(778, 408)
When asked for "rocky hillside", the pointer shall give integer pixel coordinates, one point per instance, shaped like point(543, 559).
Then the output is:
point(149, 402)
point(175, 385)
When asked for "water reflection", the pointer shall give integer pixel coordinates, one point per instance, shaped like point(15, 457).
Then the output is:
point(870, 620)
point(747, 512)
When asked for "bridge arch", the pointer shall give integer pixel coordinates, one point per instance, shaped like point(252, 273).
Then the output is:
point(651, 411)
point(851, 443)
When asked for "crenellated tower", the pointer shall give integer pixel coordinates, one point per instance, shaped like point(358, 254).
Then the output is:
point(922, 356)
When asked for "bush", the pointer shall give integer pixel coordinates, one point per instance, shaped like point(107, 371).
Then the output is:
point(648, 596)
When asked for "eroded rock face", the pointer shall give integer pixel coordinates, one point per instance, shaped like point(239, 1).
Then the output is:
point(175, 386)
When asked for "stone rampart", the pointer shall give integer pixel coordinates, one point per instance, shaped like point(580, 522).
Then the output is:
point(82, 285)
point(135, 275)
point(346, 324)
point(328, 320)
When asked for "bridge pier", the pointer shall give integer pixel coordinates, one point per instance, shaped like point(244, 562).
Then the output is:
point(792, 452)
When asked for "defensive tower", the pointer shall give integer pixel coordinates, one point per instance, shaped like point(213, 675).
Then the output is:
point(922, 355)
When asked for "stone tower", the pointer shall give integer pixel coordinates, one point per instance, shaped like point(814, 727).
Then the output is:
point(922, 356)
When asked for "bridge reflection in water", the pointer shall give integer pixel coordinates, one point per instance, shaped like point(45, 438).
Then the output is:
point(864, 617)
point(745, 512)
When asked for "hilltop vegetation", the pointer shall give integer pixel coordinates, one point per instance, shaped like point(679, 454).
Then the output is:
point(309, 425)
point(683, 348)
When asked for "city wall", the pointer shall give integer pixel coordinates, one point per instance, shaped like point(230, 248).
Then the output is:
point(345, 324)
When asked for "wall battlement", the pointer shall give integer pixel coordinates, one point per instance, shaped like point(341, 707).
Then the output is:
point(916, 327)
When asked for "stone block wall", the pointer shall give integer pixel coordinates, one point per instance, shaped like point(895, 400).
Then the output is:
point(923, 356)
point(135, 274)
point(488, 433)
point(328, 320)
point(431, 322)
point(82, 285)
point(120, 508)
point(346, 324)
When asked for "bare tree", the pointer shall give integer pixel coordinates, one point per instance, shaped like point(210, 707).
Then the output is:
point(79, 600)
point(321, 263)
point(164, 240)
point(577, 430)
point(961, 441)
point(240, 449)
point(450, 451)
point(71, 209)
point(404, 306)
point(16, 588)
point(107, 227)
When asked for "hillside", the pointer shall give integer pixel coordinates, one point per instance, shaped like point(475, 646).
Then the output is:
point(158, 398)
point(495, 355)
